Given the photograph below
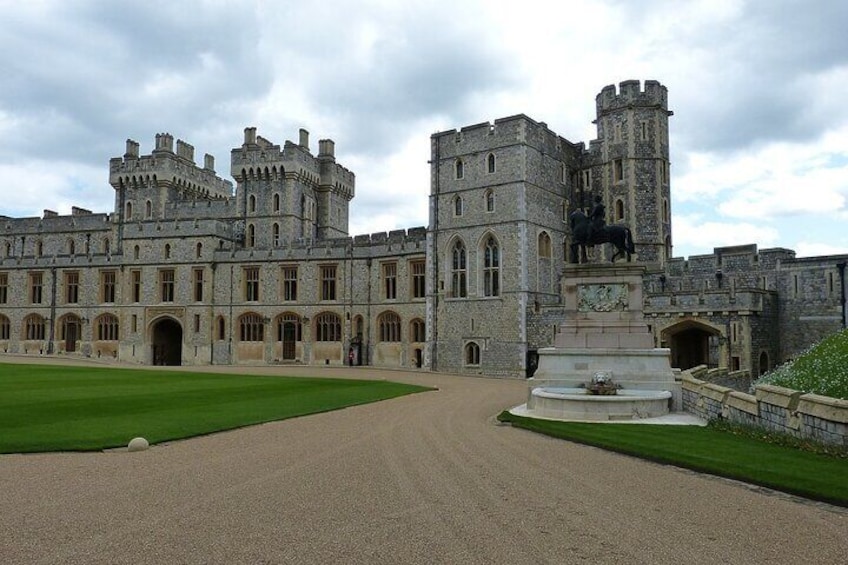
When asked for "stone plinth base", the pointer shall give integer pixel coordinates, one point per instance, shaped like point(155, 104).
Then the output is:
point(635, 369)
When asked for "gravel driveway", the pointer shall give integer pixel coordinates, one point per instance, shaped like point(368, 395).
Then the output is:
point(427, 478)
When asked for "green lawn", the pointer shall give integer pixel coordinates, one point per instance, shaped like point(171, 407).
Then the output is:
point(53, 408)
point(708, 450)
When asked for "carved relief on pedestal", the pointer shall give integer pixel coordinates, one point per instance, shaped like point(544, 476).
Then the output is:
point(602, 298)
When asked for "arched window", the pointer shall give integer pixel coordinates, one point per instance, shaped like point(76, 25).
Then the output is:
point(221, 328)
point(472, 353)
point(459, 169)
point(252, 203)
point(39, 248)
point(328, 327)
point(251, 327)
point(417, 331)
point(136, 251)
point(167, 251)
point(457, 205)
point(358, 324)
point(275, 234)
point(459, 274)
point(198, 251)
point(129, 211)
point(665, 210)
point(34, 327)
point(490, 163)
point(5, 328)
point(491, 268)
point(490, 200)
point(251, 235)
point(9, 249)
point(107, 246)
point(619, 209)
point(544, 245)
point(276, 203)
point(107, 327)
point(148, 210)
point(389, 323)
point(72, 247)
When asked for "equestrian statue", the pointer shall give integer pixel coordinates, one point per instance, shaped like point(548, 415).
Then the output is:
point(593, 230)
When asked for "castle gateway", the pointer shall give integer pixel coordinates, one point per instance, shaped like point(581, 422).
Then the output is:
point(190, 270)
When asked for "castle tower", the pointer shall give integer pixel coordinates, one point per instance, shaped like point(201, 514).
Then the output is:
point(633, 163)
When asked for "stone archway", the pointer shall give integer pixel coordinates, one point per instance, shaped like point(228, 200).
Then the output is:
point(692, 344)
point(167, 342)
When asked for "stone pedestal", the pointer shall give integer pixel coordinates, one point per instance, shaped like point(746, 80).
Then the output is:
point(604, 332)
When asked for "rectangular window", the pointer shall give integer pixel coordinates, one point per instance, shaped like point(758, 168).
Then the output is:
point(197, 275)
point(166, 280)
point(328, 282)
point(251, 284)
point(197, 323)
point(419, 281)
point(72, 287)
point(35, 287)
point(617, 170)
point(107, 286)
point(289, 284)
point(390, 280)
point(134, 323)
point(4, 288)
point(587, 179)
point(136, 285)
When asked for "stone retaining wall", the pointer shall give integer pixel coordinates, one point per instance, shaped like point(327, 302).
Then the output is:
point(774, 408)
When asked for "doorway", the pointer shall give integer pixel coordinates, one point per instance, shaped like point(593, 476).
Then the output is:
point(167, 342)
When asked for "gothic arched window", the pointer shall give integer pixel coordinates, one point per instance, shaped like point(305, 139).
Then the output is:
point(459, 273)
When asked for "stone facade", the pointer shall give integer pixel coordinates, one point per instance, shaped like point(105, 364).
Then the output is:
point(190, 268)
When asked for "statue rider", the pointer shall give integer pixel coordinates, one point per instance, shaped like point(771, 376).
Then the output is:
point(597, 217)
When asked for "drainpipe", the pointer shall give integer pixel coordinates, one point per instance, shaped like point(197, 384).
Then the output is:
point(52, 310)
point(841, 267)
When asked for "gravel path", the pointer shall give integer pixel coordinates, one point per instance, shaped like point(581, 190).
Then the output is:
point(428, 478)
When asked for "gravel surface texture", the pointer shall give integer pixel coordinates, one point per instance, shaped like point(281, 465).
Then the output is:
point(426, 478)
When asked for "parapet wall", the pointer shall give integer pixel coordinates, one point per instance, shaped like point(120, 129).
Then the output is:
point(773, 408)
point(630, 93)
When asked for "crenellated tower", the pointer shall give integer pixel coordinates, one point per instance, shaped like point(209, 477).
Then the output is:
point(286, 194)
point(631, 157)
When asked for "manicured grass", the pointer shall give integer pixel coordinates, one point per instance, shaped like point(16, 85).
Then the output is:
point(52, 408)
point(708, 450)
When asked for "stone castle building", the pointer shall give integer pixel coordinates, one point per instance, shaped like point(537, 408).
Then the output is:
point(189, 269)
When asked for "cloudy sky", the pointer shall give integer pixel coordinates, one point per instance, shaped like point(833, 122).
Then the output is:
point(759, 136)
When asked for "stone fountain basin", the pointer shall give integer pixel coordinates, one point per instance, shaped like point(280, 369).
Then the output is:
point(564, 403)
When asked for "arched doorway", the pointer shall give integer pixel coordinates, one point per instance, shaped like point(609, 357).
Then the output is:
point(692, 344)
point(167, 342)
point(764, 363)
point(70, 332)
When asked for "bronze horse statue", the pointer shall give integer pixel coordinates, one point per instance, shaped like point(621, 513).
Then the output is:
point(584, 233)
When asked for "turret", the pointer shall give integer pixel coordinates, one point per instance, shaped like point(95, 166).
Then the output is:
point(632, 125)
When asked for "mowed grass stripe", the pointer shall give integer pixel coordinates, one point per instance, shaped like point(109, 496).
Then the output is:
point(50, 408)
point(712, 451)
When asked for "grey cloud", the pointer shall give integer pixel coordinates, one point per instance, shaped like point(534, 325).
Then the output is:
point(88, 64)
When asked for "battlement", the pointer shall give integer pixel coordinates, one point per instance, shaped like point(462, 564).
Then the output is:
point(518, 128)
point(631, 93)
point(259, 157)
point(164, 166)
